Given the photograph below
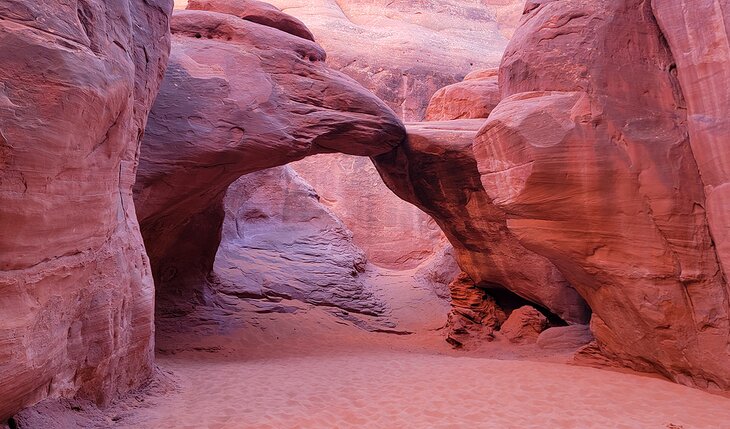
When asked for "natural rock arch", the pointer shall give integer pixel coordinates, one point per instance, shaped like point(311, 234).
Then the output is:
point(238, 97)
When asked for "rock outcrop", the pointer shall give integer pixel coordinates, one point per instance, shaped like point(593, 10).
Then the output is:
point(565, 337)
point(76, 293)
point(435, 169)
point(475, 97)
point(278, 241)
point(599, 168)
point(238, 97)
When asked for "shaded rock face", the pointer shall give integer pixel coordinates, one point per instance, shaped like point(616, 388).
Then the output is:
point(393, 233)
point(76, 295)
point(278, 241)
point(403, 50)
point(435, 169)
point(475, 97)
point(590, 157)
point(238, 97)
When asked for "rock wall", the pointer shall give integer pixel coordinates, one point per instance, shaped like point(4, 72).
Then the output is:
point(76, 293)
point(593, 157)
point(278, 241)
point(393, 233)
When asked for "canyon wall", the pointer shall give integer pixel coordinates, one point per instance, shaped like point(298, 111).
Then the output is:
point(76, 292)
point(606, 153)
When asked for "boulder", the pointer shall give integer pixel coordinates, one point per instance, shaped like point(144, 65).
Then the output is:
point(565, 338)
point(524, 325)
point(475, 97)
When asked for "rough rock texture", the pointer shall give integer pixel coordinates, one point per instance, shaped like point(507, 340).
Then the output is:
point(393, 233)
point(475, 97)
point(238, 97)
point(565, 337)
point(589, 155)
point(405, 50)
point(474, 315)
point(524, 325)
point(76, 83)
point(698, 35)
point(435, 170)
point(278, 241)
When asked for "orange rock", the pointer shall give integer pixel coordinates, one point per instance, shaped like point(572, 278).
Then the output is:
point(524, 325)
point(76, 83)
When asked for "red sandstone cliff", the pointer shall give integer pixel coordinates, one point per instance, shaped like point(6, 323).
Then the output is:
point(76, 293)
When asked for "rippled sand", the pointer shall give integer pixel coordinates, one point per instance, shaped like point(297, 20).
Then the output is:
point(407, 390)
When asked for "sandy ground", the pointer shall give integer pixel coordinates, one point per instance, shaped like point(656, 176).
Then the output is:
point(291, 365)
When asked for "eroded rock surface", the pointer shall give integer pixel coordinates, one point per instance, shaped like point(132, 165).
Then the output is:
point(279, 241)
point(76, 293)
point(474, 314)
point(238, 97)
point(435, 169)
point(590, 157)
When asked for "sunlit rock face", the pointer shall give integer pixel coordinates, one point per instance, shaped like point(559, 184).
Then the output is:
point(606, 155)
point(76, 293)
point(238, 97)
point(475, 97)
